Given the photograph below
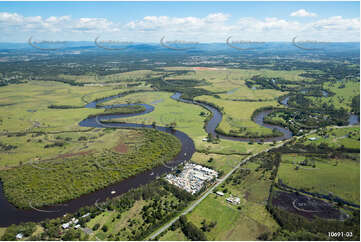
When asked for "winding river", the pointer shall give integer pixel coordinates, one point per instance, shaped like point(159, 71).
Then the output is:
point(12, 215)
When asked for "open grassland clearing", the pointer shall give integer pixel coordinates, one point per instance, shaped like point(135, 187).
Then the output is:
point(344, 92)
point(2, 231)
point(227, 147)
point(335, 137)
point(217, 162)
point(225, 80)
point(39, 147)
point(245, 93)
point(60, 180)
point(140, 97)
point(120, 78)
point(30, 111)
point(176, 235)
point(237, 118)
point(245, 221)
point(187, 118)
point(341, 177)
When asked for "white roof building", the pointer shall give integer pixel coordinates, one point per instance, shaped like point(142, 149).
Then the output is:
point(19, 236)
point(65, 226)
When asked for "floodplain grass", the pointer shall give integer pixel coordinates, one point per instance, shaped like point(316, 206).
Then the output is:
point(123, 77)
point(2, 231)
point(31, 147)
point(31, 112)
point(176, 235)
point(341, 177)
point(188, 119)
point(224, 80)
point(223, 163)
point(239, 115)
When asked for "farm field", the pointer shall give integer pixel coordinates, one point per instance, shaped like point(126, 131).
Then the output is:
point(47, 146)
point(176, 235)
point(223, 163)
point(24, 107)
point(337, 176)
point(224, 80)
point(246, 221)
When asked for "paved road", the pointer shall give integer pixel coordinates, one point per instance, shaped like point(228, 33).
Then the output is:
point(210, 190)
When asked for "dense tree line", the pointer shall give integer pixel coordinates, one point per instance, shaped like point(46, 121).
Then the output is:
point(57, 181)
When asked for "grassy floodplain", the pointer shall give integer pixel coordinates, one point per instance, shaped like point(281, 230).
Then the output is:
point(187, 118)
point(337, 176)
point(224, 80)
point(238, 115)
point(25, 109)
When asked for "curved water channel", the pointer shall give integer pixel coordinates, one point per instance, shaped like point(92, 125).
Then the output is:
point(12, 215)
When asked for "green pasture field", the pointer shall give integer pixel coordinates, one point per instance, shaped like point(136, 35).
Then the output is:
point(246, 223)
point(28, 105)
point(2, 231)
point(30, 148)
point(239, 115)
point(244, 92)
point(120, 78)
point(223, 163)
point(28, 112)
point(226, 79)
point(340, 177)
point(349, 137)
point(343, 96)
point(176, 235)
point(187, 118)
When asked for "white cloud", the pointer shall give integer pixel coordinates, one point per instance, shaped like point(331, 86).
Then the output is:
point(214, 27)
point(302, 13)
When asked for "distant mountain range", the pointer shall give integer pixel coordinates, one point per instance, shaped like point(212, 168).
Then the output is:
point(203, 47)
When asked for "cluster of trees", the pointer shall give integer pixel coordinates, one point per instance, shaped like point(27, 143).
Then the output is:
point(188, 92)
point(53, 106)
point(206, 227)
point(191, 231)
point(355, 104)
point(60, 181)
point(238, 176)
point(26, 229)
point(297, 226)
point(125, 110)
point(55, 144)
point(7, 147)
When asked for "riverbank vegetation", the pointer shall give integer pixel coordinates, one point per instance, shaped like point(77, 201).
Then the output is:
point(60, 180)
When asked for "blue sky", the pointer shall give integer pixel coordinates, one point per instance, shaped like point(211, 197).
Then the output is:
point(198, 21)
